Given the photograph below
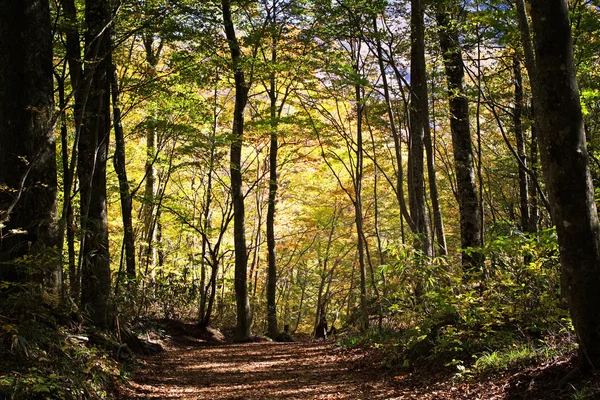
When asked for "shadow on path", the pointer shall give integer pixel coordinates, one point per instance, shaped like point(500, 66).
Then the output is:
point(254, 371)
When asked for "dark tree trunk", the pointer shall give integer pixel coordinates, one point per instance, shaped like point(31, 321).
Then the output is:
point(418, 111)
point(468, 204)
point(533, 151)
point(399, 190)
point(244, 318)
point(438, 221)
point(272, 328)
point(567, 174)
point(518, 126)
point(28, 182)
point(68, 217)
point(73, 54)
point(210, 299)
point(358, 207)
point(120, 169)
point(148, 254)
point(93, 151)
point(531, 73)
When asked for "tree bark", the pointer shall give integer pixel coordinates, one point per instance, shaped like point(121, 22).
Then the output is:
point(244, 318)
point(532, 74)
point(438, 220)
point(149, 256)
point(28, 182)
point(418, 110)
point(468, 204)
point(93, 151)
point(120, 169)
point(518, 126)
point(73, 55)
point(272, 328)
point(566, 170)
point(358, 208)
point(68, 215)
point(399, 189)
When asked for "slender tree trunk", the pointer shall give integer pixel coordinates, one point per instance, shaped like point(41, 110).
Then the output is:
point(358, 208)
point(244, 318)
point(518, 126)
point(479, 137)
point(28, 182)
point(68, 215)
point(532, 74)
point(418, 110)
point(438, 221)
point(567, 174)
point(210, 299)
point(73, 54)
point(404, 214)
point(533, 151)
point(93, 151)
point(272, 328)
point(469, 207)
point(149, 210)
point(119, 164)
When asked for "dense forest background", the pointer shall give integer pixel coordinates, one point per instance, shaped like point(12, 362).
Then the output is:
point(274, 165)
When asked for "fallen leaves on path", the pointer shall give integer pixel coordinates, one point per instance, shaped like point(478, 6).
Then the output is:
point(255, 371)
point(193, 368)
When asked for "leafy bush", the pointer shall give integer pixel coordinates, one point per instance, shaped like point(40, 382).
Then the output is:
point(44, 354)
point(441, 315)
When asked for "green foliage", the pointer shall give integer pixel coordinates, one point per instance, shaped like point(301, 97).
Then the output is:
point(510, 313)
point(43, 352)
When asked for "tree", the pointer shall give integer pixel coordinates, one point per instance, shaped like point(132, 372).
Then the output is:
point(93, 153)
point(150, 209)
point(469, 206)
point(28, 182)
point(567, 175)
point(74, 61)
point(244, 318)
point(419, 104)
point(120, 169)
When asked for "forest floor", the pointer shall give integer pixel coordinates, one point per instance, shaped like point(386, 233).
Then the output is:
point(196, 367)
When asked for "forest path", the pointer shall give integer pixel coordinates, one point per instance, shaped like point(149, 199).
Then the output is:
point(249, 371)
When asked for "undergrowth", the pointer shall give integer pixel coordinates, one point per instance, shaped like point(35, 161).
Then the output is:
point(505, 315)
point(47, 353)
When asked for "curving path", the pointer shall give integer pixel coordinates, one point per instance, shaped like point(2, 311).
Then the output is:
point(255, 371)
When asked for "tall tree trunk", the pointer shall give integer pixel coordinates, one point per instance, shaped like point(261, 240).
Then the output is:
point(358, 183)
point(244, 318)
point(468, 204)
point(567, 174)
point(272, 328)
point(534, 211)
point(68, 216)
point(438, 221)
point(532, 74)
point(404, 214)
point(93, 151)
point(28, 182)
point(73, 55)
point(518, 126)
point(204, 312)
point(418, 110)
point(149, 208)
point(119, 164)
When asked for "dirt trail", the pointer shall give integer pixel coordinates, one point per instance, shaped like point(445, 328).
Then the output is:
point(194, 367)
point(255, 371)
